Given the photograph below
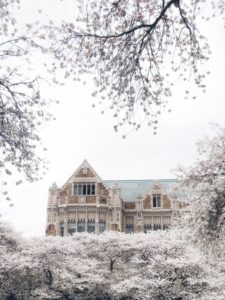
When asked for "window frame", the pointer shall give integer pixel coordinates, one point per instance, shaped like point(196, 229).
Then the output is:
point(157, 200)
point(84, 188)
point(101, 226)
point(81, 226)
point(62, 228)
point(91, 225)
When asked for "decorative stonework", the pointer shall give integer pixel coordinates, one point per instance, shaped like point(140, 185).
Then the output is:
point(87, 203)
point(166, 202)
point(84, 173)
point(147, 202)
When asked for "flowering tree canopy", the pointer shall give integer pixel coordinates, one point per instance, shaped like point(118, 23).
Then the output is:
point(21, 103)
point(205, 187)
point(157, 265)
point(133, 49)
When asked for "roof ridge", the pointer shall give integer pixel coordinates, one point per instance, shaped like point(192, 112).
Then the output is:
point(162, 179)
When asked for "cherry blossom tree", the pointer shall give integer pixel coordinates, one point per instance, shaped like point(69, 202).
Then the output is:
point(158, 265)
point(135, 50)
point(21, 101)
point(204, 185)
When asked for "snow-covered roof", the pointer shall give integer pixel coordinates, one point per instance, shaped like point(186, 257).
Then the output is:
point(131, 189)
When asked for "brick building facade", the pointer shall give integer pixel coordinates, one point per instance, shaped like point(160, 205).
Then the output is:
point(88, 203)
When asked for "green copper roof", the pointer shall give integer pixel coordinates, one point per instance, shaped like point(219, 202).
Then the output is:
point(131, 189)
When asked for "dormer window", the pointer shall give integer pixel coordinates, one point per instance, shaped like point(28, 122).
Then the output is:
point(84, 188)
point(156, 200)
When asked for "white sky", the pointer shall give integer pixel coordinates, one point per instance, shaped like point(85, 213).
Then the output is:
point(82, 132)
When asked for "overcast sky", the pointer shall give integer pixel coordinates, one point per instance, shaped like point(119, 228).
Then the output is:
point(82, 132)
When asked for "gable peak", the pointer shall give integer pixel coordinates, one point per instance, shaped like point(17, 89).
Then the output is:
point(86, 170)
point(85, 164)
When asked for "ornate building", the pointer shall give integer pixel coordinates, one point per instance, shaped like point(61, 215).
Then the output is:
point(88, 203)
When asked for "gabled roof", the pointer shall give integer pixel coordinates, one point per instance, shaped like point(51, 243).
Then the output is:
point(85, 164)
point(131, 189)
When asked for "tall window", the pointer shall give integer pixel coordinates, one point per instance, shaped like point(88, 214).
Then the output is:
point(72, 226)
point(156, 199)
point(61, 228)
point(81, 226)
point(101, 226)
point(156, 226)
point(91, 226)
point(129, 228)
point(84, 188)
point(147, 228)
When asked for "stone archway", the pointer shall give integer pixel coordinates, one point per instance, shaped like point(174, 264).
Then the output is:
point(51, 230)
